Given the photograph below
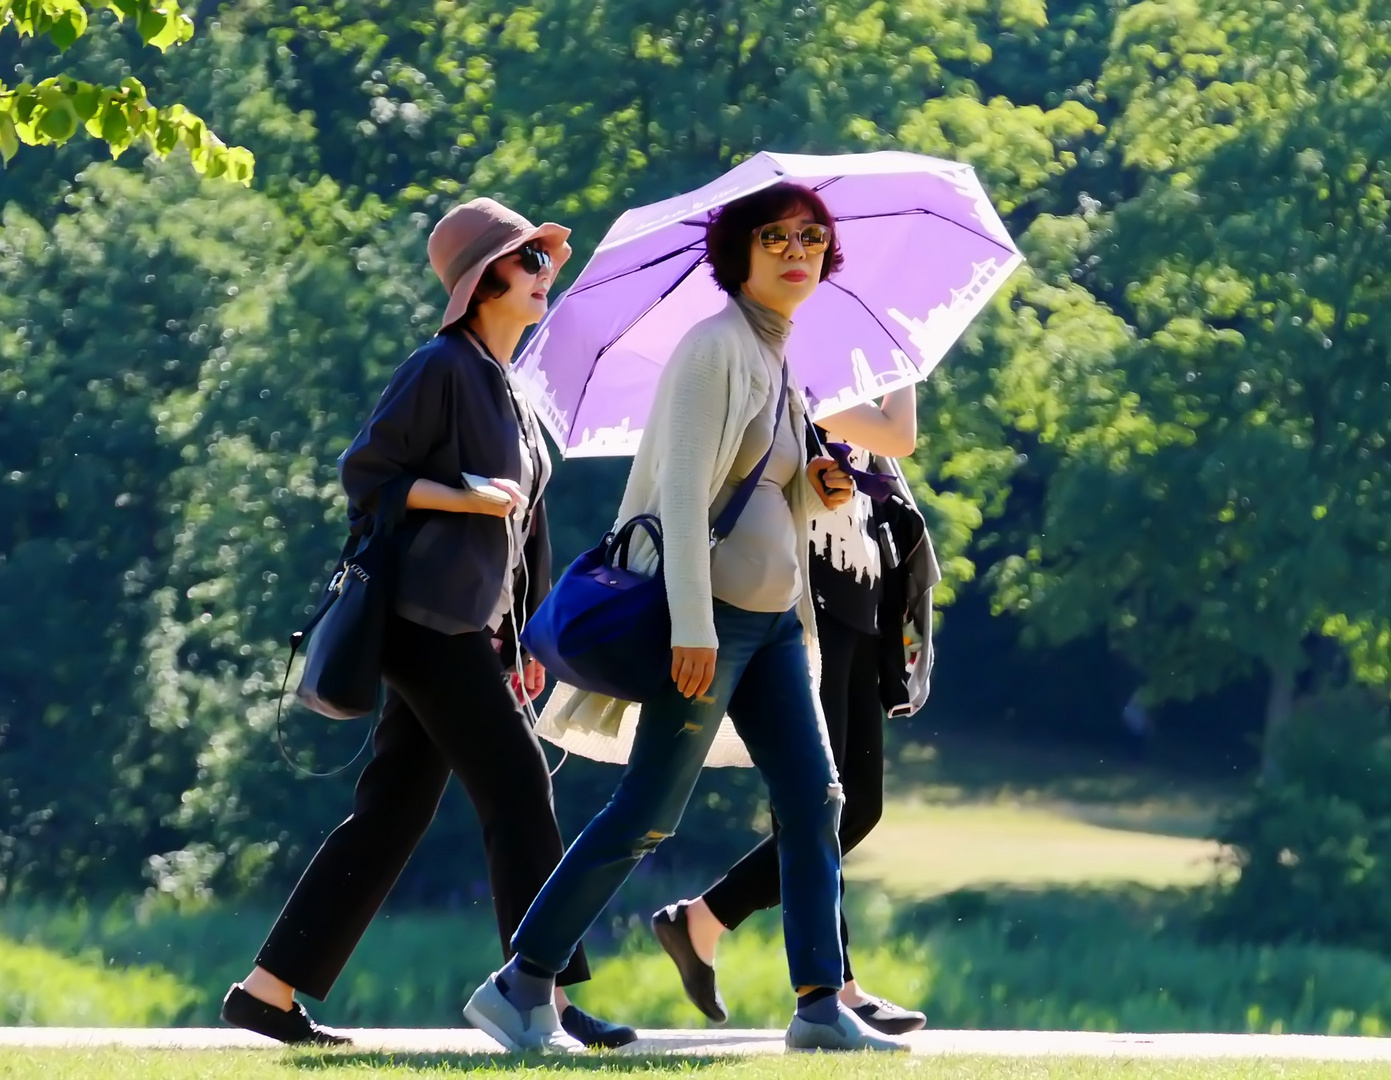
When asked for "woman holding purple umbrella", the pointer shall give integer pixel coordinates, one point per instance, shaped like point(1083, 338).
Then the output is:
point(857, 583)
point(743, 624)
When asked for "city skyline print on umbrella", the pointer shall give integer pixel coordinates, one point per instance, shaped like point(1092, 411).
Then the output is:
point(924, 253)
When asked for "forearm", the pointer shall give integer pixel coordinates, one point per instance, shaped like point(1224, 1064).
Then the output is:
point(890, 429)
point(430, 495)
point(687, 571)
point(693, 410)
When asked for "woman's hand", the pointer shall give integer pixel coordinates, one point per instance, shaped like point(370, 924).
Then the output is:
point(692, 670)
point(833, 487)
point(480, 505)
point(531, 681)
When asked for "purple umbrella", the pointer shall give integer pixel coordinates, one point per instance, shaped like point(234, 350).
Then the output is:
point(924, 252)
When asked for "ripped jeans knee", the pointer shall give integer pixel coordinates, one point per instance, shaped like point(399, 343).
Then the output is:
point(647, 843)
point(818, 811)
point(834, 806)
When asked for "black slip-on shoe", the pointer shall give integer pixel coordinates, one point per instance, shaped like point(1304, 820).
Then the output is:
point(888, 1018)
point(595, 1033)
point(698, 977)
point(295, 1027)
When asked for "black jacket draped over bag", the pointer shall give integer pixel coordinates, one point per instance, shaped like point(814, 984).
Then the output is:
point(447, 411)
point(910, 572)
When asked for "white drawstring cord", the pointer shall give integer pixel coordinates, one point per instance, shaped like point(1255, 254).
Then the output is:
point(520, 623)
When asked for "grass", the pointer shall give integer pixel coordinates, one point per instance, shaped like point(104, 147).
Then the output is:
point(1025, 817)
point(285, 1065)
point(1006, 887)
point(39, 988)
point(1013, 844)
point(1099, 960)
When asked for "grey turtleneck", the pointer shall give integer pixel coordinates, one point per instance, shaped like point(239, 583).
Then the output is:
point(757, 567)
point(768, 324)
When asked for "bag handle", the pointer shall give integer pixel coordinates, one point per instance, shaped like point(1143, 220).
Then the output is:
point(618, 549)
point(729, 516)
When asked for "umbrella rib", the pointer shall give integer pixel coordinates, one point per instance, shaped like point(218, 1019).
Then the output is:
point(584, 391)
point(641, 315)
point(887, 332)
point(929, 213)
point(636, 269)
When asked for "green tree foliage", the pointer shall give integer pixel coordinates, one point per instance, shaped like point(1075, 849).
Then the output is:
point(1169, 428)
point(51, 112)
point(1225, 491)
point(1318, 838)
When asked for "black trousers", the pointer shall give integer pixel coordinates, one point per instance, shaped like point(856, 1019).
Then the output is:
point(855, 721)
point(447, 710)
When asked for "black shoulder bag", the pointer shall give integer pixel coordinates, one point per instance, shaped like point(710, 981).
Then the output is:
point(343, 658)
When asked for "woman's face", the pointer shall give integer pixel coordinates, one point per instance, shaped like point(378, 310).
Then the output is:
point(528, 274)
point(783, 273)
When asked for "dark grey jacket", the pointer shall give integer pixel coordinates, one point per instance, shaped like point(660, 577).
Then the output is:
point(446, 411)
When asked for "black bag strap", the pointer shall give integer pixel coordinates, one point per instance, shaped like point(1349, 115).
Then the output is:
point(391, 508)
point(280, 707)
point(729, 516)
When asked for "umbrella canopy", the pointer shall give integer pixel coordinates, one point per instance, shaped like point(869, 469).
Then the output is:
point(924, 252)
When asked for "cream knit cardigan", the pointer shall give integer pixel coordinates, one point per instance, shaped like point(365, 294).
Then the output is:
point(715, 383)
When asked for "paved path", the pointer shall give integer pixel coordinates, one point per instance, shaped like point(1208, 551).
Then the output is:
point(721, 1042)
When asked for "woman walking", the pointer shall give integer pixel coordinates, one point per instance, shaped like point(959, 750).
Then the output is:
point(848, 582)
point(742, 620)
point(454, 452)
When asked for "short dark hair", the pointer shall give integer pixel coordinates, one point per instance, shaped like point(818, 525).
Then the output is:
point(729, 235)
point(490, 286)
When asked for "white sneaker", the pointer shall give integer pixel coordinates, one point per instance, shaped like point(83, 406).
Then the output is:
point(518, 1029)
point(849, 1032)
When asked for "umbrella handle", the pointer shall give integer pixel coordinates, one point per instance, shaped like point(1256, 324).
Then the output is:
point(816, 434)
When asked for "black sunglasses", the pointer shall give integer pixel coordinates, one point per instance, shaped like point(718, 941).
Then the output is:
point(534, 258)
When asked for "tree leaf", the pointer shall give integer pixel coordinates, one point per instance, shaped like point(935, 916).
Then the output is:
point(9, 141)
point(135, 88)
point(86, 99)
point(58, 122)
point(70, 26)
point(150, 23)
point(166, 136)
point(115, 128)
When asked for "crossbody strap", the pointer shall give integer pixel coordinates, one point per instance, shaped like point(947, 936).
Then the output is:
point(729, 516)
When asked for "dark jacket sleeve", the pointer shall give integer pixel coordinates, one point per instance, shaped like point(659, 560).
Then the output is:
point(407, 422)
point(538, 560)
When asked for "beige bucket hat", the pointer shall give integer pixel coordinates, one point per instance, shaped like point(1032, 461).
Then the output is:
point(476, 233)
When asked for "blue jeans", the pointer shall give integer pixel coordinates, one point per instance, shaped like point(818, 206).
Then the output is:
point(762, 682)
